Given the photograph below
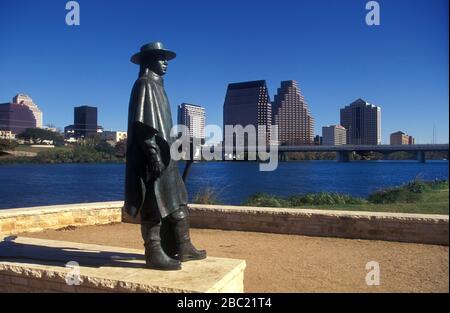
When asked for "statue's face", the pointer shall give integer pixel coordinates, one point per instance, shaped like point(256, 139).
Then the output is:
point(159, 67)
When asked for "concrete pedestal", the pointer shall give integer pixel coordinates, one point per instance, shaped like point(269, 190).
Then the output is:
point(36, 265)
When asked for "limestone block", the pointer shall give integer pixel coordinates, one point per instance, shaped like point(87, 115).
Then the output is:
point(110, 269)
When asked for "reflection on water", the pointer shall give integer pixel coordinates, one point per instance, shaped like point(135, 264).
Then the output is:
point(33, 185)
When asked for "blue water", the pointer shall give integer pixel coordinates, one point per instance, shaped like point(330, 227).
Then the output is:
point(35, 185)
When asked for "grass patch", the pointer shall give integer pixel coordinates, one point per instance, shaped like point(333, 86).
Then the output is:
point(415, 197)
point(321, 198)
point(409, 193)
point(28, 148)
point(433, 202)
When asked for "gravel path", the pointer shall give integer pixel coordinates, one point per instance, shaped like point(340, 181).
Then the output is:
point(291, 263)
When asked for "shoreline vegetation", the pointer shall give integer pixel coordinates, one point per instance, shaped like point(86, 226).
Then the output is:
point(97, 150)
point(103, 152)
point(424, 197)
point(92, 150)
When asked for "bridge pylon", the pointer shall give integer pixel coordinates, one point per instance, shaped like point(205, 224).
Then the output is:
point(343, 156)
point(421, 156)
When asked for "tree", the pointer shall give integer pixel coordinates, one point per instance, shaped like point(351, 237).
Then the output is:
point(105, 147)
point(40, 135)
point(6, 144)
point(121, 148)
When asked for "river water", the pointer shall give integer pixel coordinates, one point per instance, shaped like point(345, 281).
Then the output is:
point(36, 184)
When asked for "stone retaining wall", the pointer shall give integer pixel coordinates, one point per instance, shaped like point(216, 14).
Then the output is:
point(402, 227)
point(14, 221)
point(417, 228)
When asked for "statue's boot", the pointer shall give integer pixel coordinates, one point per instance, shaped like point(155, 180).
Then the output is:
point(155, 257)
point(185, 249)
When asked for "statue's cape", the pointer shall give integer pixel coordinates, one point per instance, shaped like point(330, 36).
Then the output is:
point(149, 116)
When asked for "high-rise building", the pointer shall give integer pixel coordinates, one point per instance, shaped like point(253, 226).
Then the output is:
point(363, 123)
point(26, 100)
point(334, 135)
point(16, 118)
point(193, 117)
point(248, 103)
point(292, 116)
point(318, 140)
point(400, 138)
point(85, 121)
point(20, 114)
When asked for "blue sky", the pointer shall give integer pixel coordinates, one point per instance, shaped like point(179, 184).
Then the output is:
point(401, 65)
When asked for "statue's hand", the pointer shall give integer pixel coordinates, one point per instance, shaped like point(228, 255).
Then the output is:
point(155, 166)
point(155, 169)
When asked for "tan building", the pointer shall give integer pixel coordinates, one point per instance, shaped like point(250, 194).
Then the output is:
point(26, 100)
point(400, 138)
point(292, 116)
point(334, 135)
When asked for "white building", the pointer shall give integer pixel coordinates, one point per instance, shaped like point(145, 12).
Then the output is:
point(26, 100)
point(334, 135)
point(51, 128)
point(193, 117)
point(114, 136)
point(7, 134)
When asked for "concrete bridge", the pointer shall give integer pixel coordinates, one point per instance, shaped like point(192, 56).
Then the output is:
point(343, 152)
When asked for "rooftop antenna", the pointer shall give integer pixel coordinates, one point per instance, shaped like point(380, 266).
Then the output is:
point(434, 133)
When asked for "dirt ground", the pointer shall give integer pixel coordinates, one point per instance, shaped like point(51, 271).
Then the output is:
point(291, 263)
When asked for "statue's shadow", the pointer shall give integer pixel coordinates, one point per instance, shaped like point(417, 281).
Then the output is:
point(16, 252)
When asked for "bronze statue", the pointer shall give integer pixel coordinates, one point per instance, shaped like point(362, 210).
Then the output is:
point(154, 187)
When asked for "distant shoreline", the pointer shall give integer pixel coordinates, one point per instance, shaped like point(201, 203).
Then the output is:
point(32, 160)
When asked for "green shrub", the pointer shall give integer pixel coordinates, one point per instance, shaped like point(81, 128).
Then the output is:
point(265, 200)
point(417, 186)
point(6, 144)
point(207, 195)
point(321, 198)
point(410, 192)
point(79, 154)
point(55, 156)
point(439, 184)
point(393, 195)
point(105, 148)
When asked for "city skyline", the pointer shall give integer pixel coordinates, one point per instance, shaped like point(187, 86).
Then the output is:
point(194, 116)
point(401, 65)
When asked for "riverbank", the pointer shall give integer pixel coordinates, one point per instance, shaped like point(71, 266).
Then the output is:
point(415, 197)
point(100, 152)
point(436, 202)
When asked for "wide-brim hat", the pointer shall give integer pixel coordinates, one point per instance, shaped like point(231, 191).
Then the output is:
point(152, 50)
